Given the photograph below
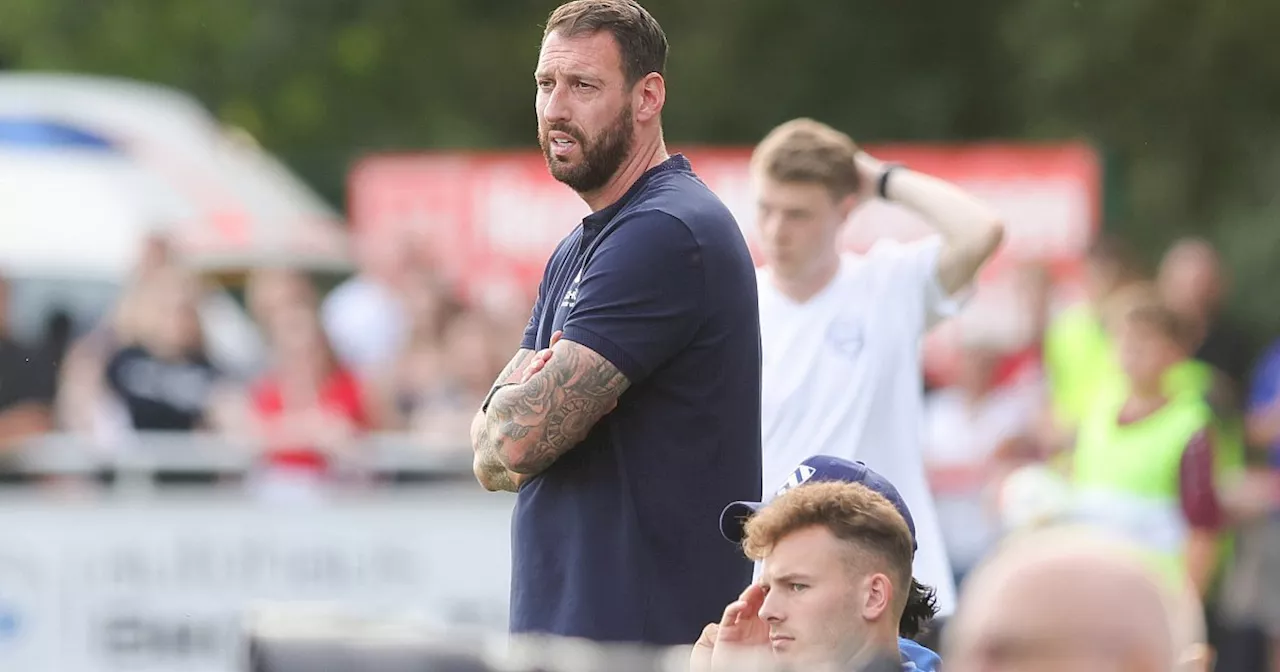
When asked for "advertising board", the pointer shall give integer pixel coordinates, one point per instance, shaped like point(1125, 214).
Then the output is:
point(159, 585)
point(490, 220)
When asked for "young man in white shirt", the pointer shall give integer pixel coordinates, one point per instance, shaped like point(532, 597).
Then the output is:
point(842, 332)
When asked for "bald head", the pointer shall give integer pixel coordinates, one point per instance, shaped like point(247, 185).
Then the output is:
point(1191, 277)
point(1073, 598)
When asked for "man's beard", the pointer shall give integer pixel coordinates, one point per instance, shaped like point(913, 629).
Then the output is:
point(601, 155)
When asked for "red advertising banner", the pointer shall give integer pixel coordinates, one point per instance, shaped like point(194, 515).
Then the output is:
point(489, 220)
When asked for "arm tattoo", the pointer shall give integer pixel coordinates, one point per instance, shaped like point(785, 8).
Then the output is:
point(517, 363)
point(533, 424)
point(488, 468)
point(493, 476)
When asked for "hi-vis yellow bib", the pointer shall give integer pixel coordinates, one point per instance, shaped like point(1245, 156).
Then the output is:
point(1127, 476)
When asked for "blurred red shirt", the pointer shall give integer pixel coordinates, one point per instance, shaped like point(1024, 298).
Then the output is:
point(342, 395)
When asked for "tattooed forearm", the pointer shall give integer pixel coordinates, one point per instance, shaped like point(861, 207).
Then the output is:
point(493, 476)
point(488, 468)
point(532, 424)
point(516, 364)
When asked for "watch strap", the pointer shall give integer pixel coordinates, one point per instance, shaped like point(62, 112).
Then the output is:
point(882, 184)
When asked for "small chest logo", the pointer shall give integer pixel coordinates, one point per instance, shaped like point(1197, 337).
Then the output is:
point(571, 297)
point(845, 336)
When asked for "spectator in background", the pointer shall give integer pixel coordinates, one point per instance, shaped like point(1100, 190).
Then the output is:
point(1238, 646)
point(365, 316)
point(1033, 285)
point(308, 409)
point(1145, 464)
point(406, 386)
point(229, 343)
point(162, 378)
point(467, 369)
point(506, 301)
point(270, 290)
point(967, 426)
point(27, 385)
point(81, 379)
point(1078, 355)
point(1260, 544)
point(431, 304)
point(1263, 421)
point(155, 257)
point(1192, 282)
point(407, 389)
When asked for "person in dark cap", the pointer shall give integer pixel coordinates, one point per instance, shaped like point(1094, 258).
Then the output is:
point(836, 545)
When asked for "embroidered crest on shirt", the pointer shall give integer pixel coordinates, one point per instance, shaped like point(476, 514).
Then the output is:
point(571, 297)
point(845, 336)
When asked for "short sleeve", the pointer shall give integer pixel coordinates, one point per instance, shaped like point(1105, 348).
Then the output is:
point(640, 298)
point(1197, 491)
point(530, 339)
point(914, 277)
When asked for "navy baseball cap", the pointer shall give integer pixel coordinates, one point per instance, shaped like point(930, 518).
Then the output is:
point(813, 470)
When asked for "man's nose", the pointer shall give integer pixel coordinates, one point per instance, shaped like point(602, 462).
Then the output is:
point(555, 106)
point(768, 226)
point(771, 609)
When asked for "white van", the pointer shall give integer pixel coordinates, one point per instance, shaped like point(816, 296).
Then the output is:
point(90, 166)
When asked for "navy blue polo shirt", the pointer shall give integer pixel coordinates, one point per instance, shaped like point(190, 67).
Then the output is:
point(618, 540)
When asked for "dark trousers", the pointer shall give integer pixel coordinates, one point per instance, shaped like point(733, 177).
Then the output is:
point(1239, 647)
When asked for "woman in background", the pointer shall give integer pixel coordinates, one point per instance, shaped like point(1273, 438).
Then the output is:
point(308, 411)
point(162, 376)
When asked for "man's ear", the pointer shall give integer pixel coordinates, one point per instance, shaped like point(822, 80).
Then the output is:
point(847, 205)
point(650, 95)
point(877, 596)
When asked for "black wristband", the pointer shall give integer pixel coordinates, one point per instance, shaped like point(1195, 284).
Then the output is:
point(488, 398)
point(882, 184)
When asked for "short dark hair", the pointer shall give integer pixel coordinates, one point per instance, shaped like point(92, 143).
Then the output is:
point(1117, 256)
point(641, 42)
point(852, 513)
point(922, 606)
point(805, 151)
point(1159, 318)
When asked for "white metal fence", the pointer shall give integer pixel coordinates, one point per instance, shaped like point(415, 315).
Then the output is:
point(147, 578)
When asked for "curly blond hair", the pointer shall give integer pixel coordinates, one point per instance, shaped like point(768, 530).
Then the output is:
point(853, 513)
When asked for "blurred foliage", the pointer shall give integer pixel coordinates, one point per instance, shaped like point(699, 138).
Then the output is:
point(1181, 95)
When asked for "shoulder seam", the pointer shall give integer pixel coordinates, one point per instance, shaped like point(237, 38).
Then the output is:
point(688, 232)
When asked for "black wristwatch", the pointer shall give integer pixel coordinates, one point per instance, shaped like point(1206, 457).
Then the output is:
point(488, 398)
point(882, 184)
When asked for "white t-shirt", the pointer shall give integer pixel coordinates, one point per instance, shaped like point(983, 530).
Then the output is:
point(842, 377)
point(366, 324)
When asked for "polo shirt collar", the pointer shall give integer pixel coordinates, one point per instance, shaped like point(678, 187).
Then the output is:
point(598, 219)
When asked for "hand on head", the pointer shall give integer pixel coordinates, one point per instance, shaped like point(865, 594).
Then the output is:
point(740, 641)
point(869, 170)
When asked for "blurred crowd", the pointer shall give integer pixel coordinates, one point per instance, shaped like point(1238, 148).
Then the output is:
point(393, 348)
point(396, 348)
point(1003, 441)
